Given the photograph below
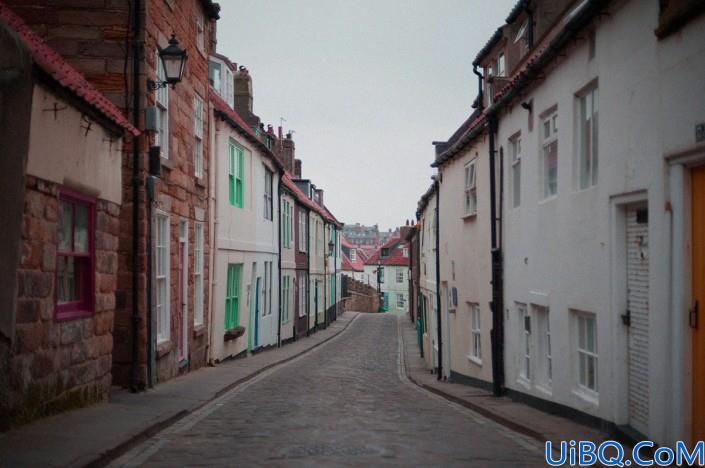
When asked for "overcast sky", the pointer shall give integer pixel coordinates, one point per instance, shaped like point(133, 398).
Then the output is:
point(366, 85)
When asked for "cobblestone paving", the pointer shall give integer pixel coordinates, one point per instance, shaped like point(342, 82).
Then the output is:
point(341, 405)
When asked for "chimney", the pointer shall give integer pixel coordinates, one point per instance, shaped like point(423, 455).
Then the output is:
point(279, 133)
point(319, 196)
point(243, 91)
point(297, 168)
point(288, 151)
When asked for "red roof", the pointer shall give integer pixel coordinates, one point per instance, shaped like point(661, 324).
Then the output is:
point(304, 200)
point(349, 265)
point(396, 255)
point(346, 243)
point(50, 62)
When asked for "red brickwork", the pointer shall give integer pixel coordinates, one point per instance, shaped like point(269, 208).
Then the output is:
point(55, 364)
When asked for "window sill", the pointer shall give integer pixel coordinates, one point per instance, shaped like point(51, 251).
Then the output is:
point(588, 396)
point(200, 182)
point(474, 359)
point(469, 216)
point(234, 334)
point(545, 389)
point(63, 314)
point(524, 382)
point(198, 330)
point(167, 163)
point(548, 199)
point(163, 349)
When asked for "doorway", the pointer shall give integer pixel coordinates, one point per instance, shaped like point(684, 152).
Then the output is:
point(182, 312)
point(696, 321)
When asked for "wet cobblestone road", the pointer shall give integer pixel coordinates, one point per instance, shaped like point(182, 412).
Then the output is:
point(344, 404)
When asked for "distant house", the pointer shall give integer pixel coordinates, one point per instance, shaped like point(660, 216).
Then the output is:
point(389, 269)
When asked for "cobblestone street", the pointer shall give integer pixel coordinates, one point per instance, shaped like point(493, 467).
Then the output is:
point(346, 403)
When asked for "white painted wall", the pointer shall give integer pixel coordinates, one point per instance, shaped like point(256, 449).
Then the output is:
point(567, 252)
point(427, 279)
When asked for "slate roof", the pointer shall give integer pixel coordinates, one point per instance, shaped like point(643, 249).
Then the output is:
point(65, 76)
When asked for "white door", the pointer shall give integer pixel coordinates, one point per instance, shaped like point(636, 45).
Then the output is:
point(267, 326)
point(637, 317)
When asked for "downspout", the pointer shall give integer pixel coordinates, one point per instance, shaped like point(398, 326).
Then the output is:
point(479, 86)
point(308, 273)
point(279, 259)
point(439, 335)
point(497, 280)
point(325, 279)
point(213, 232)
point(134, 378)
point(530, 32)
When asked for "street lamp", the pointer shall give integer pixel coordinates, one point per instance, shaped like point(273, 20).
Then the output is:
point(331, 245)
point(173, 60)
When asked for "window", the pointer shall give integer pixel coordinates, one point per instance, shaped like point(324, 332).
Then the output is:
point(352, 255)
point(303, 231)
point(200, 32)
point(286, 288)
point(214, 77)
point(75, 267)
point(198, 275)
point(161, 138)
point(475, 336)
point(229, 88)
point(198, 136)
point(380, 274)
point(400, 275)
point(400, 301)
point(525, 320)
point(405, 252)
point(287, 222)
point(587, 352)
point(236, 173)
point(515, 155)
point(522, 32)
point(385, 252)
point(587, 138)
point(501, 70)
point(303, 293)
point(232, 297)
point(544, 344)
point(470, 189)
point(268, 207)
point(162, 255)
point(267, 289)
point(549, 134)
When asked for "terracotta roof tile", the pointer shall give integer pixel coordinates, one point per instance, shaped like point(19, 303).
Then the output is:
point(51, 63)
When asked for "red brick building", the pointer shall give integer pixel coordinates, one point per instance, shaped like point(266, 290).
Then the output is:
point(160, 327)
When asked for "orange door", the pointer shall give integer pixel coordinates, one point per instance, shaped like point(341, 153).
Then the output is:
point(698, 207)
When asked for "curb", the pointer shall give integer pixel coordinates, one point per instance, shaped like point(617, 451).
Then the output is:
point(111, 454)
point(472, 406)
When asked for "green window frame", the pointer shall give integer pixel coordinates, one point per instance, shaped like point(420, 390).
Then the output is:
point(236, 174)
point(232, 297)
point(286, 224)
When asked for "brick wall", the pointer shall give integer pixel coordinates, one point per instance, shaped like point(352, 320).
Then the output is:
point(55, 365)
point(361, 297)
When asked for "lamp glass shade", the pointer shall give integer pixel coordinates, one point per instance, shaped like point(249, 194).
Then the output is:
point(174, 60)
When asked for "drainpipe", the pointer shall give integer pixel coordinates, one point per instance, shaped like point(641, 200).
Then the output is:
point(213, 188)
point(497, 280)
point(308, 273)
point(136, 45)
point(439, 335)
point(530, 32)
point(150, 200)
point(279, 259)
point(325, 278)
point(479, 86)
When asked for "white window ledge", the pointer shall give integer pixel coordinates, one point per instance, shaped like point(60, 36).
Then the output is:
point(474, 359)
point(588, 396)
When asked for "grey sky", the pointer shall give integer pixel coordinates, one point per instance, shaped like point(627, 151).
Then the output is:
point(367, 85)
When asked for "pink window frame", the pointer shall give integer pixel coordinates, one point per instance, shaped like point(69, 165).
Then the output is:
point(86, 306)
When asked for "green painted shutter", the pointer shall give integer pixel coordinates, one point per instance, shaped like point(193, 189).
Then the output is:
point(232, 298)
point(231, 173)
point(240, 178)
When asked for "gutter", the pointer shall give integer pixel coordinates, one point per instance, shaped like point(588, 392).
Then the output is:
point(439, 334)
point(135, 318)
point(279, 259)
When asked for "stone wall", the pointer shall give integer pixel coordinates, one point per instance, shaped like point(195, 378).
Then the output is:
point(360, 297)
point(56, 365)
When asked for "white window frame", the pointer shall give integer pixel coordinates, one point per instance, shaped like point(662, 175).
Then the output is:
point(303, 293)
point(501, 65)
point(549, 137)
point(198, 136)
point(475, 354)
point(162, 275)
point(470, 189)
point(161, 138)
point(543, 327)
point(525, 370)
point(400, 301)
point(515, 160)
point(229, 87)
point(405, 252)
point(303, 235)
point(201, 31)
point(268, 194)
point(352, 255)
point(198, 242)
point(400, 275)
point(286, 288)
point(588, 167)
point(586, 353)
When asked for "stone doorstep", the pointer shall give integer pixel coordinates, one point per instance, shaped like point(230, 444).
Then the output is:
point(172, 415)
point(517, 416)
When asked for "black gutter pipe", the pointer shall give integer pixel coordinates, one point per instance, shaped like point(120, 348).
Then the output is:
point(479, 87)
point(279, 259)
point(437, 228)
point(308, 272)
point(135, 193)
point(496, 253)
